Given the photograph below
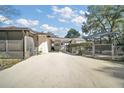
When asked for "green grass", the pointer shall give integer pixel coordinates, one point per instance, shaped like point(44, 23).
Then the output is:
point(7, 63)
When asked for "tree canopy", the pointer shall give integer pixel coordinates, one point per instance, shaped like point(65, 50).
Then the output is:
point(104, 18)
point(72, 33)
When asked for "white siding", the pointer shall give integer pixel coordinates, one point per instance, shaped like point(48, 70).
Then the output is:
point(43, 47)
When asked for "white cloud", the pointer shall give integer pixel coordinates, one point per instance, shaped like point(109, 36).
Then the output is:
point(3, 18)
point(48, 28)
point(50, 16)
point(8, 22)
point(65, 12)
point(83, 12)
point(62, 20)
point(60, 31)
point(79, 20)
point(55, 9)
point(33, 28)
point(27, 22)
point(39, 10)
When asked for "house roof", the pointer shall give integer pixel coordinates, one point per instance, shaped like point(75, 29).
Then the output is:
point(9, 28)
point(14, 28)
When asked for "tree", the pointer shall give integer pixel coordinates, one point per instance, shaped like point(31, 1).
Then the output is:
point(104, 19)
point(72, 33)
point(7, 12)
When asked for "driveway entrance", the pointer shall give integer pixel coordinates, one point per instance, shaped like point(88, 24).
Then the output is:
point(63, 70)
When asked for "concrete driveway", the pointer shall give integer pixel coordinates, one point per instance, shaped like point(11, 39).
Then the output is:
point(63, 70)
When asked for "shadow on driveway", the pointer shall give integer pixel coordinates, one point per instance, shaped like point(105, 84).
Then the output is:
point(116, 72)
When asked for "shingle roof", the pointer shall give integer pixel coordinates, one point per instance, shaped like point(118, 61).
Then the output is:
point(14, 28)
point(20, 28)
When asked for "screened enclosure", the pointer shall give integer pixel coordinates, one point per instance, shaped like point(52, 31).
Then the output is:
point(19, 42)
point(107, 45)
point(11, 44)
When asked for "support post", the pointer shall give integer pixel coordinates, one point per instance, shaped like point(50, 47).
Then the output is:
point(113, 53)
point(93, 49)
point(23, 44)
point(6, 46)
point(113, 49)
point(37, 44)
point(7, 42)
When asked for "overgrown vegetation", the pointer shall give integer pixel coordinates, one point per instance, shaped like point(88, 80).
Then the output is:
point(6, 63)
point(4, 56)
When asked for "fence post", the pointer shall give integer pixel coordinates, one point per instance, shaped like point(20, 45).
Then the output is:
point(6, 46)
point(6, 43)
point(93, 49)
point(113, 54)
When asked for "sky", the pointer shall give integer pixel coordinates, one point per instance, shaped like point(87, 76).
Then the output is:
point(57, 19)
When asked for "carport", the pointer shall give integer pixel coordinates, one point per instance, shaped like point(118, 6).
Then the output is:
point(16, 42)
